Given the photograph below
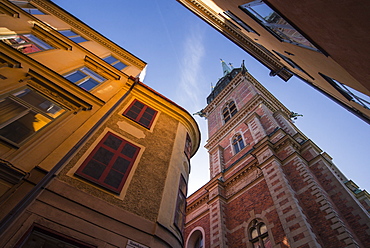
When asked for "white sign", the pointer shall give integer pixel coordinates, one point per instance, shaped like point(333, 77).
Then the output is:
point(133, 244)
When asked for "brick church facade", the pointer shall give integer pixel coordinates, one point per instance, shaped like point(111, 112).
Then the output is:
point(270, 185)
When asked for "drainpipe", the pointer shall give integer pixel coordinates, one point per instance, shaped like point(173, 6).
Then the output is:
point(31, 196)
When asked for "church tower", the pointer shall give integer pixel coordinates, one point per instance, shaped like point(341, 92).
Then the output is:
point(270, 185)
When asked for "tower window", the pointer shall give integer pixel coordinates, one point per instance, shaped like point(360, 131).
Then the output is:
point(26, 43)
point(140, 113)
point(229, 111)
point(238, 143)
point(72, 36)
point(24, 113)
point(109, 164)
point(114, 62)
point(258, 235)
point(275, 24)
point(85, 78)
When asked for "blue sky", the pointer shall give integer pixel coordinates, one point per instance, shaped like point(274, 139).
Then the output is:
point(183, 55)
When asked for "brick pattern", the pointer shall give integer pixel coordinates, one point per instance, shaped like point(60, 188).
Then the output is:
point(256, 128)
point(217, 224)
point(351, 213)
point(284, 123)
point(325, 220)
point(216, 161)
point(293, 219)
point(204, 222)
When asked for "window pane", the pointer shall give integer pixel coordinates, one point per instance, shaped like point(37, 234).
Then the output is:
point(103, 155)
point(68, 33)
point(77, 39)
point(22, 128)
point(121, 165)
point(132, 114)
point(263, 229)
point(110, 59)
point(114, 179)
point(144, 121)
point(129, 150)
point(38, 42)
point(274, 22)
point(119, 65)
point(94, 169)
point(39, 102)
point(9, 109)
point(236, 147)
point(88, 84)
point(113, 142)
point(241, 144)
point(254, 233)
point(147, 115)
point(92, 74)
point(75, 76)
point(34, 11)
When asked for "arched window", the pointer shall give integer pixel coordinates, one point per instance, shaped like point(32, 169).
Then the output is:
point(196, 239)
point(258, 235)
point(238, 143)
point(229, 111)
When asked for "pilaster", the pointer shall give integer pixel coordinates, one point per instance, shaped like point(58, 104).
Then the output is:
point(255, 127)
point(294, 222)
point(216, 161)
point(217, 216)
point(285, 124)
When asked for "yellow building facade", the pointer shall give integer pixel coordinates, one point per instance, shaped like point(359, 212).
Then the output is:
point(90, 156)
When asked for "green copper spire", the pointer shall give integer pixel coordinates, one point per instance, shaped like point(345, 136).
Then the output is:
point(225, 68)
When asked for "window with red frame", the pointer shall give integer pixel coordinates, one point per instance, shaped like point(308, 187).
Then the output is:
point(109, 163)
point(187, 149)
point(140, 113)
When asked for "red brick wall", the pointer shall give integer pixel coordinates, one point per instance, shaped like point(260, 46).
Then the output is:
point(202, 222)
point(344, 202)
point(316, 217)
point(257, 199)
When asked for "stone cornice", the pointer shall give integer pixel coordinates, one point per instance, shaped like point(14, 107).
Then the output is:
point(88, 32)
point(194, 205)
point(285, 141)
point(220, 23)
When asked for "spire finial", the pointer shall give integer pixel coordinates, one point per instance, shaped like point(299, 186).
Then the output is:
point(225, 69)
point(244, 70)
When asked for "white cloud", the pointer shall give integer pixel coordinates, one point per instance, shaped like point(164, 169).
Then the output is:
point(188, 92)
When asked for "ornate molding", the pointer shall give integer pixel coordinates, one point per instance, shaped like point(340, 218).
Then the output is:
point(196, 204)
point(8, 61)
point(87, 31)
point(8, 11)
point(101, 69)
point(47, 36)
point(55, 92)
point(9, 173)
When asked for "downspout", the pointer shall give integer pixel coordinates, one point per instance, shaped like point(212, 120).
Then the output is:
point(31, 196)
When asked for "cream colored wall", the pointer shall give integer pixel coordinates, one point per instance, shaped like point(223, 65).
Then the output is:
point(179, 166)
